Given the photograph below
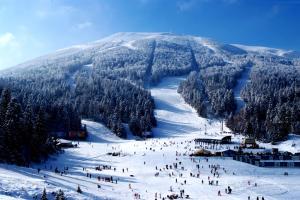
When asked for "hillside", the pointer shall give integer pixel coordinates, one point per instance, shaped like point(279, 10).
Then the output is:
point(107, 81)
point(135, 168)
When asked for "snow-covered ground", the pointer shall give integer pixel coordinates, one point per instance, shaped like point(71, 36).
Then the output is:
point(241, 83)
point(178, 125)
point(292, 144)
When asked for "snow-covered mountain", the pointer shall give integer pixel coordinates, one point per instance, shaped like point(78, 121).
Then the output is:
point(119, 45)
point(127, 83)
point(75, 74)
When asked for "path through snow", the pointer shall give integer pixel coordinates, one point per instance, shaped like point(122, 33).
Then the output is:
point(241, 83)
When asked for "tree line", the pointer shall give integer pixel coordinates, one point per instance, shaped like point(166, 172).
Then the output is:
point(24, 135)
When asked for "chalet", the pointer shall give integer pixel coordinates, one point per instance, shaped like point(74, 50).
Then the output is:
point(77, 134)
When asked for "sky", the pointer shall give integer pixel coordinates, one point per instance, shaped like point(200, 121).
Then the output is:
point(31, 28)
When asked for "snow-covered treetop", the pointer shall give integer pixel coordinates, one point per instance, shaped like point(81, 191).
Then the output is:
point(130, 49)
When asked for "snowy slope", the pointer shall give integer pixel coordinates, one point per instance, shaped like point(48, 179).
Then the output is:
point(113, 44)
point(174, 116)
point(241, 83)
point(178, 125)
point(266, 50)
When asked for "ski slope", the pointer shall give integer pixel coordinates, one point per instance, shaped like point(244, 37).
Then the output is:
point(241, 83)
point(175, 117)
point(178, 125)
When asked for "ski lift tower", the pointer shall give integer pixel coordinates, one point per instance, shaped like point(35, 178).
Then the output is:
point(222, 124)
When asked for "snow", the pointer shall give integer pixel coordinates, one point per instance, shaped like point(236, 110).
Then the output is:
point(175, 117)
point(130, 45)
point(292, 144)
point(241, 82)
point(263, 50)
point(135, 41)
point(178, 125)
point(207, 43)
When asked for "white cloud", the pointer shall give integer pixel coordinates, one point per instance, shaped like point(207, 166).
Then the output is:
point(7, 39)
point(84, 25)
point(10, 50)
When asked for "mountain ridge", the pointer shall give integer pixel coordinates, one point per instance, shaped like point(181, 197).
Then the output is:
point(127, 39)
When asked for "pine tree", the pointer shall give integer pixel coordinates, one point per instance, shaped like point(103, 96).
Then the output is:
point(28, 120)
point(13, 132)
point(79, 189)
point(60, 195)
point(2, 144)
point(5, 99)
point(39, 136)
point(44, 195)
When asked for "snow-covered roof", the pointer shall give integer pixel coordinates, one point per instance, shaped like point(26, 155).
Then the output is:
point(64, 141)
point(214, 136)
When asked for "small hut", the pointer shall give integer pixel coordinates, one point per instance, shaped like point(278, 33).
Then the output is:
point(249, 143)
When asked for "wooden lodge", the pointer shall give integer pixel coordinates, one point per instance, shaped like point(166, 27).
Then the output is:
point(71, 135)
point(77, 135)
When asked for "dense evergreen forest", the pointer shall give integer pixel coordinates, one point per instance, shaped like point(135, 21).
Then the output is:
point(107, 81)
point(210, 91)
point(24, 132)
point(272, 96)
point(272, 102)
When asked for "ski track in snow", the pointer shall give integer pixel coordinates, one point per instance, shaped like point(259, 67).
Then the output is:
point(241, 83)
point(178, 124)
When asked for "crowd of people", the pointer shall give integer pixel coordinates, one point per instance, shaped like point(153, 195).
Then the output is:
point(182, 170)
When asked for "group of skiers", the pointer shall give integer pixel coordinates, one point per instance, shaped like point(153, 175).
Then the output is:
point(175, 169)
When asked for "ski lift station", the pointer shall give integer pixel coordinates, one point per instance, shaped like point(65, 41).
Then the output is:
point(216, 139)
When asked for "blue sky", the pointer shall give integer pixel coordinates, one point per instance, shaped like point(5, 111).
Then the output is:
point(30, 28)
